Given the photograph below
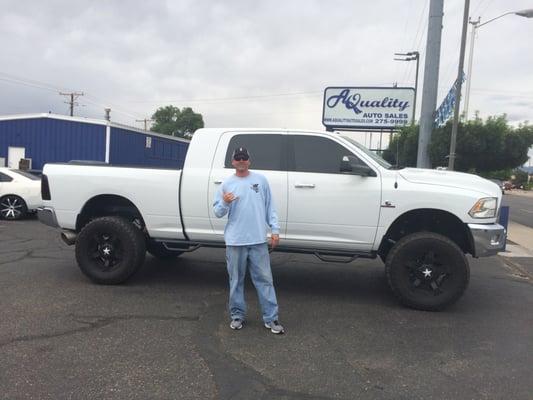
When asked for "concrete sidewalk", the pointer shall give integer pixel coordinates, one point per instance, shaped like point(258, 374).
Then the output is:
point(518, 192)
point(521, 235)
point(518, 254)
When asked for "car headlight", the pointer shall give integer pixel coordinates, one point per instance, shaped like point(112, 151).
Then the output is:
point(484, 208)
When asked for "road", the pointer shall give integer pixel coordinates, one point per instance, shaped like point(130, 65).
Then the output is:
point(165, 334)
point(521, 208)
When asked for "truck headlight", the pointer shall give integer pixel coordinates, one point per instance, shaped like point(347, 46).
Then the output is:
point(484, 208)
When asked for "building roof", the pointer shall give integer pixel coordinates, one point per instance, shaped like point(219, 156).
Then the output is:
point(85, 120)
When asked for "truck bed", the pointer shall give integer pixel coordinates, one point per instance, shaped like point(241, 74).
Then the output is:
point(153, 191)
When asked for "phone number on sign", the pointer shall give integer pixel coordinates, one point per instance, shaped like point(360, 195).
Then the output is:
point(385, 121)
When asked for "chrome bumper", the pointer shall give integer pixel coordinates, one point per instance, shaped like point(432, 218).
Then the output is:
point(47, 216)
point(489, 239)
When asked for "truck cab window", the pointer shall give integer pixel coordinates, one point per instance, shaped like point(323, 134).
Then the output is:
point(318, 154)
point(267, 152)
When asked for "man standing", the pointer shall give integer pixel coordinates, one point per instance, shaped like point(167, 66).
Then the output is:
point(247, 199)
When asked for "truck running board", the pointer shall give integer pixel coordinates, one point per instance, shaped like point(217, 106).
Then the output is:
point(325, 255)
point(336, 259)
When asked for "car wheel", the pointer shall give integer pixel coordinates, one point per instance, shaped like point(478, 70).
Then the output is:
point(161, 252)
point(109, 250)
point(427, 271)
point(12, 207)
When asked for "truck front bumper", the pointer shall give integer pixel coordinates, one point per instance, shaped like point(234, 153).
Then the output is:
point(47, 216)
point(489, 239)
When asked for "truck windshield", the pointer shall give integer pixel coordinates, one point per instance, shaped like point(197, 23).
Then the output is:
point(369, 153)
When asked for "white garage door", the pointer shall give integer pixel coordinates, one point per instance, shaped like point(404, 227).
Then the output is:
point(14, 155)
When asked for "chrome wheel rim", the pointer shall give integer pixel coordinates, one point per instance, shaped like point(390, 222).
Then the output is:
point(11, 207)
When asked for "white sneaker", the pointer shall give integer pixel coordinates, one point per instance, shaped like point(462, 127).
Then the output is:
point(236, 324)
point(275, 327)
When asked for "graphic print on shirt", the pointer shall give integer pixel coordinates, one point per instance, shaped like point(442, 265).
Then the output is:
point(255, 187)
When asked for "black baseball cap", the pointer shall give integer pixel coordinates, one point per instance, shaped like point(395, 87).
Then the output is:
point(241, 152)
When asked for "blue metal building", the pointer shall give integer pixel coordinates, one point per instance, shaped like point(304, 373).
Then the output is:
point(44, 138)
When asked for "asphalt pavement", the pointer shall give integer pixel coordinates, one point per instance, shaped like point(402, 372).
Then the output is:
point(165, 334)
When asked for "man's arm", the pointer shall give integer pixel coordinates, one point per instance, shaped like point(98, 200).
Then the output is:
point(271, 215)
point(220, 207)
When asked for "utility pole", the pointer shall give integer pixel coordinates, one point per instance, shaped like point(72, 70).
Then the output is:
point(459, 85)
point(475, 24)
point(410, 56)
point(431, 81)
point(145, 120)
point(73, 96)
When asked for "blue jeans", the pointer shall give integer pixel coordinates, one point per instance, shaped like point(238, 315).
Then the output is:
point(256, 257)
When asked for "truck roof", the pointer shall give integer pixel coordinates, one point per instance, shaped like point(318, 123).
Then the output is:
point(222, 130)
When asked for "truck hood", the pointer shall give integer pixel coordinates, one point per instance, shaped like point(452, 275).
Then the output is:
point(451, 179)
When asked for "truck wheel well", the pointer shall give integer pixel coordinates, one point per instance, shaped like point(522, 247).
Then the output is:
point(108, 205)
point(430, 220)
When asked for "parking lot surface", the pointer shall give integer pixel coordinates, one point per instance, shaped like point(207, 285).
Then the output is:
point(165, 334)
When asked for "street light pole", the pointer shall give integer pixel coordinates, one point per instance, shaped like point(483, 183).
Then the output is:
point(475, 26)
point(459, 84)
point(410, 56)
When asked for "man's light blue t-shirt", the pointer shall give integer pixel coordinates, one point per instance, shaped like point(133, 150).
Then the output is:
point(250, 214)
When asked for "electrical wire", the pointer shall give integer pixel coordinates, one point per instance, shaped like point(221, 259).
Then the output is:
point(407, 71)
point(224, 99)
point(404, 40)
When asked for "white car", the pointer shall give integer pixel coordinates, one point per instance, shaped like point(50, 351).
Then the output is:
point(20, 193)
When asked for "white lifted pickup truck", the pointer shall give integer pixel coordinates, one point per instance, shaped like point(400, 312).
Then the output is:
point(335, 199)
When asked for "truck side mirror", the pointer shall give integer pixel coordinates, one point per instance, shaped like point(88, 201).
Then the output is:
point(346, 167)
point(352, 165)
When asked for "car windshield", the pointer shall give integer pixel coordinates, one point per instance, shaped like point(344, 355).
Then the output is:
point(26, 174)
point(369, 153)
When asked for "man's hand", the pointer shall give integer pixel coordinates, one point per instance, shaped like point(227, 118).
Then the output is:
point(274, 241)
point(229, 197)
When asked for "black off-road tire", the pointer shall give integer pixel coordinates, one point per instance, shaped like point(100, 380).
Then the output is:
point(414, 257)
point(161, 252)
point(126, 243)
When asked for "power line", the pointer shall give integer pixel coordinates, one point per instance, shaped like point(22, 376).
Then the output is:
point(222, 99)
point(420, 20)
point(103, 103)
point(486, 7)
point(477, 7)
point(16, 82)
point(52, 88)
point(30, 82)
point(73, 96)
point(145, 120)
point(404, 36)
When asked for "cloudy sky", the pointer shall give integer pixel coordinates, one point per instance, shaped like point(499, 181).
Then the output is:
point(247, 63)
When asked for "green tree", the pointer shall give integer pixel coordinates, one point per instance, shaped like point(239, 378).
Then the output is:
point(170, 120)
point(403, 147)
point(482, 146)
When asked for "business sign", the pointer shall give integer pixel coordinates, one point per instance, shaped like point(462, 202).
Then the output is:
point(367, 107)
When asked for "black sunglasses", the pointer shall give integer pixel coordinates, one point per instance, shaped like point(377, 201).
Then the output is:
point(241, 158)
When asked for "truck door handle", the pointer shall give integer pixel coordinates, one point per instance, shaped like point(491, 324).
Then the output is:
point(217, 182)
point(305, 185)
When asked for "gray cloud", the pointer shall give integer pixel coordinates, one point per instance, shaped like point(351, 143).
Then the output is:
point(130, 54)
